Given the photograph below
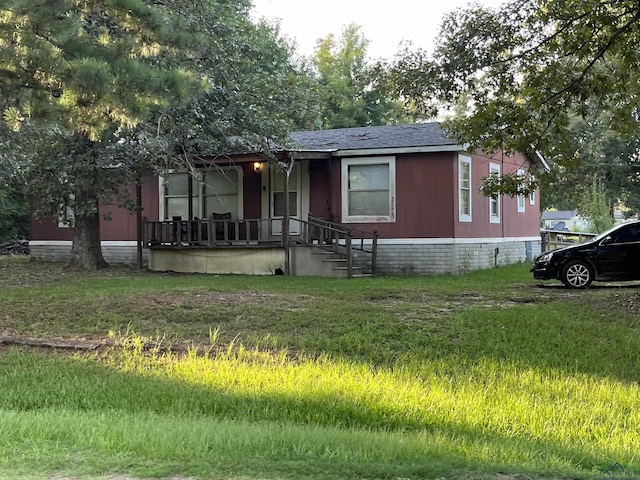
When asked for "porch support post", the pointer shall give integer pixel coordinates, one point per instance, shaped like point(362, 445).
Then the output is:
point(348, 240)
point(139, 234)
point(189, 206)
point(285, 221)
point(374, 252)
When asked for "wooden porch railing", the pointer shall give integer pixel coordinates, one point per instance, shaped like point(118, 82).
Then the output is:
point(558, 238)
point(209, 232)
point(223, 232)
point(339, 239)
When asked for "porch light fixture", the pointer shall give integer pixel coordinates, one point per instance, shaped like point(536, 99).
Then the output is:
point(257, 167)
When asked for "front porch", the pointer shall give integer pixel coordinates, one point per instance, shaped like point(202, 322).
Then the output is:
point(220, 245)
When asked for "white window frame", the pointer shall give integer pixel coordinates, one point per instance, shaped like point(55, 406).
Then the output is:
point(494, 168)
point(198, 191)
point(67, 216)
point(520, 198)
point(464, 216)
point(239, 188)
point(386, 160)
point(532, 195)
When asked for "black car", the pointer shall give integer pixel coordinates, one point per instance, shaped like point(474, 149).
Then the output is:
point(611, 256)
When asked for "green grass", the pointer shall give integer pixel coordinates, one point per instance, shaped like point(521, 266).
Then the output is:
point(416, 377)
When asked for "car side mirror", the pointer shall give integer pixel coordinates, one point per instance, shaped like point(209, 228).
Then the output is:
point(607, 239)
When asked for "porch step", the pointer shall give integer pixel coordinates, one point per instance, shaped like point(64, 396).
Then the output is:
point(325, 262)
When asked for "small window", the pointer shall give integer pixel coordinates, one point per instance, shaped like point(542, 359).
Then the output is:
point(494, 200)
point(368, 190)
point(67, 217)
point(464, 188)
point(626, 235)
point(520, 198)
point(532, 195)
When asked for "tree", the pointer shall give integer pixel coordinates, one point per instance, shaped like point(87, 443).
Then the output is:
point(593, 206)
point(14, 217)
point(601, 153)
point(525, 69)
point(77, 73)
point(102, 90)
point(350, 96)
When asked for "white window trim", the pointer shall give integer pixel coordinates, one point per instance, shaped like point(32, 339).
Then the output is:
point(240, 191)
point(67, 217)
point(387, 160)
point(495, 168)
point(464, 217)
point(200, 190)
point(532, 195)
point(520, 201)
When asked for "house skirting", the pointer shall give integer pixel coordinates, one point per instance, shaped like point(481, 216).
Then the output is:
point(437, 256)
point(244, 261)
point(411, 256)
point(114, 252)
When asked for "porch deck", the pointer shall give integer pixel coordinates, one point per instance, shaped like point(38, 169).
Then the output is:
point(217, 233)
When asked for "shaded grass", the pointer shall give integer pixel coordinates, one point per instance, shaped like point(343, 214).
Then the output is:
point(254, 411)
point(321, 378)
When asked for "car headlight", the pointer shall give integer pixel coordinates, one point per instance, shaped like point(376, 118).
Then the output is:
point(544, 258)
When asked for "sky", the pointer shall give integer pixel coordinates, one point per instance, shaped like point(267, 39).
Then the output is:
point(385, 23)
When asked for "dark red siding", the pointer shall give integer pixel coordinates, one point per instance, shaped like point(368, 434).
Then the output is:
point(513, 223)
point(424, 197)
point(117, 224)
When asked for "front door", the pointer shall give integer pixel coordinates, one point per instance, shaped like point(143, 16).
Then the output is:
point(277, 201)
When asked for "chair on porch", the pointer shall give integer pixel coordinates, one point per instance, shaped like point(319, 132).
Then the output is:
point(219, 220)
point(178, 230)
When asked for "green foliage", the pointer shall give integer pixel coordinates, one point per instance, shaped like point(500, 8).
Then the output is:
point(509, 184)
point(351, 95)
point(544, 74)
point(598, 152)
point(119, 87)
point(14, 215)
point(594, 206)
point(527, 66)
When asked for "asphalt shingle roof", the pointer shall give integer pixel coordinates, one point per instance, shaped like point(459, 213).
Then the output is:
point(364, 138)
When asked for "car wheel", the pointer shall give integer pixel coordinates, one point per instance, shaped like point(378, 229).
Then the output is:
point(577, 274)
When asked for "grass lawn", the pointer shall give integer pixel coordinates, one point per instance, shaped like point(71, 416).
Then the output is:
point(488, 375)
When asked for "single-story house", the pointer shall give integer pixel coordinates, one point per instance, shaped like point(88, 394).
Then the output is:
point(398, 199)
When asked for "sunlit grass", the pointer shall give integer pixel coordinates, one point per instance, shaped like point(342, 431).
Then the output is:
point(235, 404)
point(417, 377)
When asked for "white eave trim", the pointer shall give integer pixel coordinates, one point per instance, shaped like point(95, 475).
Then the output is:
point(544, 162)
point(398, 150)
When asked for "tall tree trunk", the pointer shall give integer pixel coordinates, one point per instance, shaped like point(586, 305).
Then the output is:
point(86, 252)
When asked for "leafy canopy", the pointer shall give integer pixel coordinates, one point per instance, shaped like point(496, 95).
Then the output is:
point(101, 90)
point(523, 70)
point(519, 76)
point(350, 92)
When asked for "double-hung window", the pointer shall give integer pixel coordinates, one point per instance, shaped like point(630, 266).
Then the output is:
point(368, 189)
point(532, 195)
point(217, 190)
point(464, 188)
point(220, 192)
point(520, 198)
point(494, 200)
